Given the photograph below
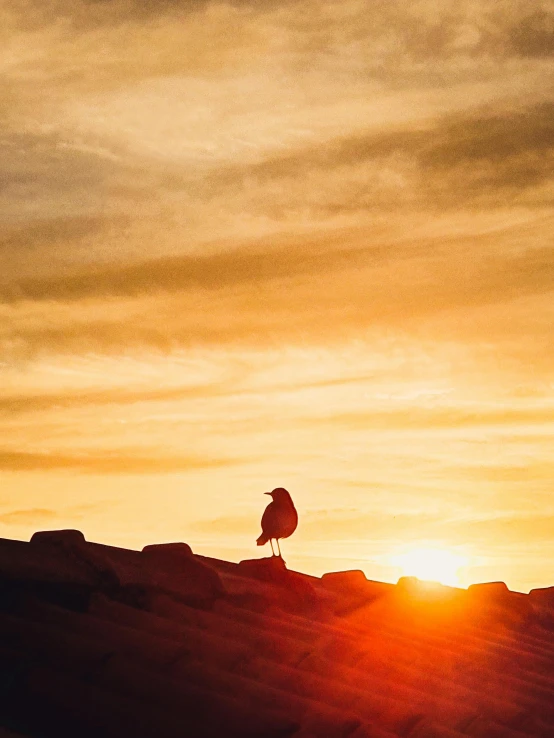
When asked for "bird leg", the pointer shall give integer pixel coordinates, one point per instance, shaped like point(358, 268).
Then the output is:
point(271, 544)
point(279, 548)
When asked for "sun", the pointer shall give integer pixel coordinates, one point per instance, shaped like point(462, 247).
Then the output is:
point(431, 564)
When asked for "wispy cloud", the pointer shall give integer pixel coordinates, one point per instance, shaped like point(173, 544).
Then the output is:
point(354, 525)
point(294, 294)
point(35, 516)
point(29, 403)
point(433, 419)
point(108, 462)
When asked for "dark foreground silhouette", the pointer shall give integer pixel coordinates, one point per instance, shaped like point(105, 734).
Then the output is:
point(97, 641)
point(279, 520)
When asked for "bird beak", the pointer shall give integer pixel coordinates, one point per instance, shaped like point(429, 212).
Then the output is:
point(267, 493)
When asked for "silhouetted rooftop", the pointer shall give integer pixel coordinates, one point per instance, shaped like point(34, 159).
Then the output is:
point(103, 641)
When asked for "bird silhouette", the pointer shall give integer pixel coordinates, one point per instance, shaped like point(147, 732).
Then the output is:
point(279, 519)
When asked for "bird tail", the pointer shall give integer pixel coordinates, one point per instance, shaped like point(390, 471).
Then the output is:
point(262, 540)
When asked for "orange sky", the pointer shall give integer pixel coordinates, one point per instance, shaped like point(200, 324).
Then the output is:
point(248, 244)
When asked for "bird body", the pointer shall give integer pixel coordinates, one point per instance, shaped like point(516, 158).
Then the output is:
point(279, 519)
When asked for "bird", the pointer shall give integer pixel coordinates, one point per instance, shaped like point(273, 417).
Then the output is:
point(279, 519)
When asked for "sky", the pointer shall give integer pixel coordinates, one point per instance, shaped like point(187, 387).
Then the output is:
point(256, 244)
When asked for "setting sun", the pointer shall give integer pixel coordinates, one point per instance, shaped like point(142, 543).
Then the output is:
point(430, 564)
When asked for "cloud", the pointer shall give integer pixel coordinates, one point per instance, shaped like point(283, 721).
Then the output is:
point(28, 403)
point(16, 404)
point(505, 528)
point(340, 524)
point(494, 275)
point(229, 525)
point(472, 159)
point(448, 528)
point(34, 516)
point(43, 177)
point(182, 273)
point(330, 291)
point(436, 419)
point(130, 149)
point(533, 36)
point(490, 157)
point(130, 462)
point(526, 473)
point(344, 524)
point(49, 231)
point(438, 30)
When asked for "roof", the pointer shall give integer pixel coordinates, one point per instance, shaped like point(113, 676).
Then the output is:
point(103, 641)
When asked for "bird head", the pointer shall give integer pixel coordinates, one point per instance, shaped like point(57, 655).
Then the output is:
point(279, 494)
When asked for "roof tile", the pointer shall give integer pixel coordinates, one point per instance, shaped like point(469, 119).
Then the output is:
point(103, 641)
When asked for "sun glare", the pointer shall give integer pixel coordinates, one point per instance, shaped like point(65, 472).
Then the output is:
point(429, 564)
